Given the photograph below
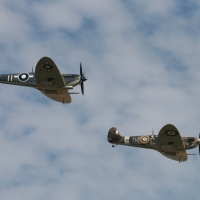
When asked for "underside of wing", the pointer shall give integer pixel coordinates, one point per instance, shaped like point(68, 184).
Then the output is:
point(62, 96)
point(171, 144)
point(177, 156)
point(47, 73)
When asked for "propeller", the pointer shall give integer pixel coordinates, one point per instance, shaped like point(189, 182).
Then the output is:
point(82, 79)
point(199, 144)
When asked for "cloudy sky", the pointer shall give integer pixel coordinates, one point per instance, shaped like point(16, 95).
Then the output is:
point(142, 62)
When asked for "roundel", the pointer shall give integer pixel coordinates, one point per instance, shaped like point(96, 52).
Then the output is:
point(23, 77)
point(47, 66)
point(171, 133)
point(144, 139)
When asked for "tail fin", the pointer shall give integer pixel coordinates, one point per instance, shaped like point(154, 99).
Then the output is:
point(114, 136)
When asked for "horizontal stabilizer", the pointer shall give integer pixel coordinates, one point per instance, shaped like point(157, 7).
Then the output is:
point(114, 136)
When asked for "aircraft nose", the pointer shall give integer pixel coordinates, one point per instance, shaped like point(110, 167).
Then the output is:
point(83, 78)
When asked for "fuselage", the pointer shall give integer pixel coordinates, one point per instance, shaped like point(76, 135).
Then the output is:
point(150, 142)
point(28, 79)
point(168, 142)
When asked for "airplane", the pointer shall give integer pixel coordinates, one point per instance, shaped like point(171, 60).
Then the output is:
point(168, 142)
point(48, 80)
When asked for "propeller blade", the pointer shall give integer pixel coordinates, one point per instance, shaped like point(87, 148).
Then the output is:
point(199, 144)
point(82, 79)
point(82, 88)
point(81, 73)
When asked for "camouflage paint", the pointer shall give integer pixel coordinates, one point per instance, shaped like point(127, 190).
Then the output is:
point(47, 79)
point(168, 142)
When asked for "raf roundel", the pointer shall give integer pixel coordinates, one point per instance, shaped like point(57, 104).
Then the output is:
point(144, 139)
point(171, 133)
point(47, 66)
point(23, 77)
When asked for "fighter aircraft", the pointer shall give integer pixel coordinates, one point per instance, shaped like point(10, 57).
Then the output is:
point(48, 80)
point(168, 142)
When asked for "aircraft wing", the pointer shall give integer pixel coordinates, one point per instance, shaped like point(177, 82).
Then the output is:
point(171, 144)
point(61, 95)
point(50, 81)
point(47, 73)
point(181, 156)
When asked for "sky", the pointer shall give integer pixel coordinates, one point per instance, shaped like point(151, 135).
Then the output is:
point(142, 62)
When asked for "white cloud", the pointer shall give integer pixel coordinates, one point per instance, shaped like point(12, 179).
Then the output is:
point(141, 60)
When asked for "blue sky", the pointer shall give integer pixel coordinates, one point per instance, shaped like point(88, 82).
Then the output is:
point(141, 59)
